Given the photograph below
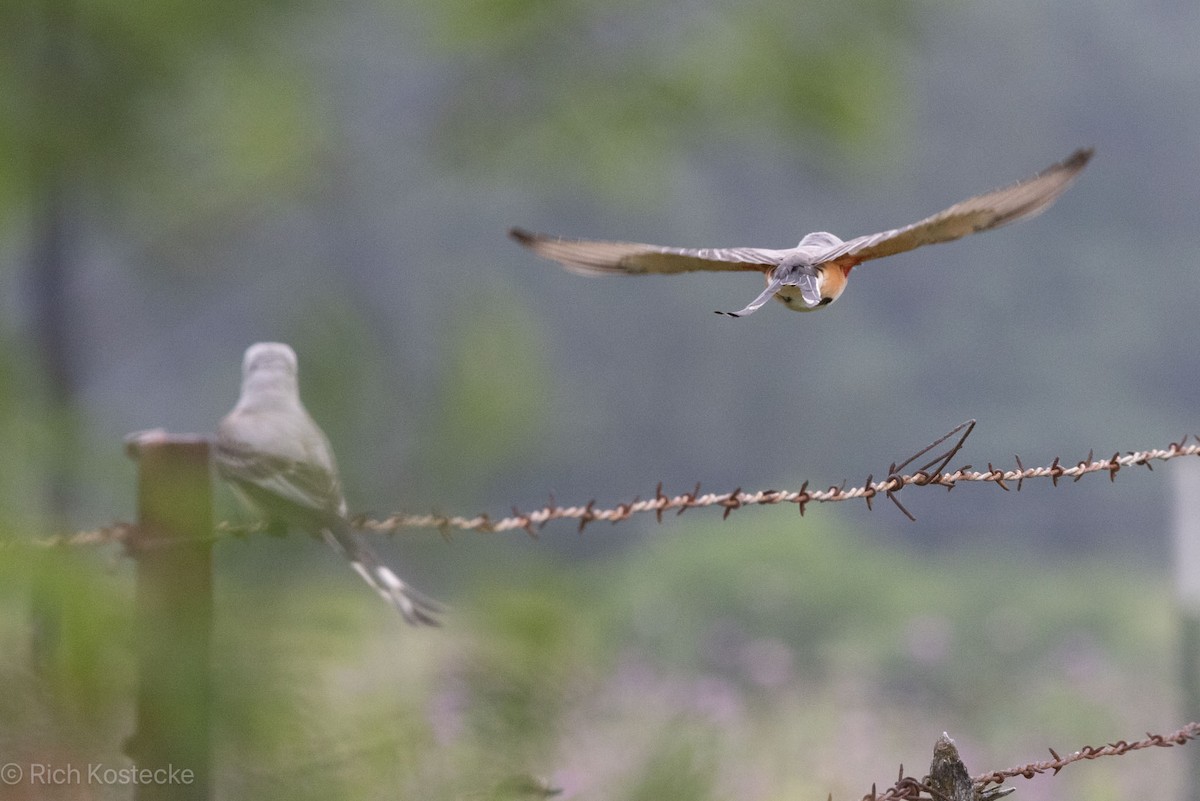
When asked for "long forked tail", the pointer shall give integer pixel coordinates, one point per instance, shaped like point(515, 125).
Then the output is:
point(417, 609)
point(754, 305)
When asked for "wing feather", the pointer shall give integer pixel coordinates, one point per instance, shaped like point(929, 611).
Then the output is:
point(268, 479)
point(1019, 201)
point(596, 257)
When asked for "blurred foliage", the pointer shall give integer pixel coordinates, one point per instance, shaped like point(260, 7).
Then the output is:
point(24, 434)
point(310, 703)
point(676, 768)
point(249, 134)
point(518, 674)
point(529, 656)
point(83, 87)
point(722, 660)
point(818, 601)
point(493, 397)
point(618, 95)
point(79, 710)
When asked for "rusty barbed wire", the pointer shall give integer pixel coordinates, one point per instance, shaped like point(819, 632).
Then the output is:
point(931, 474)
point(532, 522)
point(118, 532)
point(906, 788)
point(1121, 747)
point(910, 788)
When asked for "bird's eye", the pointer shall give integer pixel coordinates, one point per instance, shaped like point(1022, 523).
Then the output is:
point(825, 301)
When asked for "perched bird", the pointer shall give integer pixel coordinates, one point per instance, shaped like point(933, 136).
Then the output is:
point(279, 461)
point(813, 274)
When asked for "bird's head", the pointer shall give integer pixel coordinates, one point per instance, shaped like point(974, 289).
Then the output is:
point(269, 370)
point(271, 356)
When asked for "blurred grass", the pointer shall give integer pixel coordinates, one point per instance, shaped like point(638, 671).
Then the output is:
point(765, 657)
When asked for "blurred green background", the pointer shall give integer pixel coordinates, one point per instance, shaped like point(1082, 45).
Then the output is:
point(184, 180)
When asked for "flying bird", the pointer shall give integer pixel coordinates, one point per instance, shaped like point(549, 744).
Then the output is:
point(279, 461)
point(813, 274)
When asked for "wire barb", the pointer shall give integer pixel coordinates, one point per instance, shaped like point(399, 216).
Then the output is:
point(1121, 747)
point(908, 788)
point(933, 473)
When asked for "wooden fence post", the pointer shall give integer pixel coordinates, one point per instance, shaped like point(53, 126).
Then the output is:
point(173, 617)
point(1187, 591)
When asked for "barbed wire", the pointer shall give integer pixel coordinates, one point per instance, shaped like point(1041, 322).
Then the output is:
point(532, 522)
point(931, 474)
point(910, 788)
point(1121, 747)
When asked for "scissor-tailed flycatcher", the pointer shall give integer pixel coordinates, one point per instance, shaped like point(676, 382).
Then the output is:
point(279, 461)
point(813, 274)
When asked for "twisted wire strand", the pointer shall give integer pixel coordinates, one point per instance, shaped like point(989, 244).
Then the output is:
point(659, 503)
point(909, 788)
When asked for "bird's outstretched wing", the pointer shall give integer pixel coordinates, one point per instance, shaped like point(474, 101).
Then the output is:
point(595, 257)
point(1019, 201)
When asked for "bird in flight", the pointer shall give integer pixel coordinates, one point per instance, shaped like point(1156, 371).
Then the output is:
point(813, 274)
